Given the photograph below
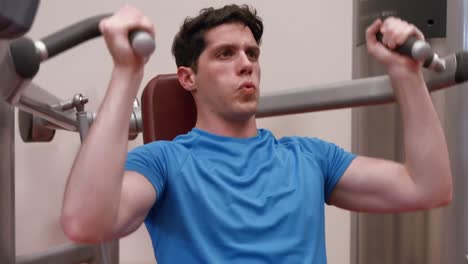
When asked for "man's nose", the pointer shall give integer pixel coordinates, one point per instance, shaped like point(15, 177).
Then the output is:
point(245, 64)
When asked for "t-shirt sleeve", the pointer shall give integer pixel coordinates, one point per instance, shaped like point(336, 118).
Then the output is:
point(149, 161)
point(338, 160)
point(333, 161)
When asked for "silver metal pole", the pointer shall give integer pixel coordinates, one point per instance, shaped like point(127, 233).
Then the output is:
point(456, 128)
point(7, 178)
point(65, 254)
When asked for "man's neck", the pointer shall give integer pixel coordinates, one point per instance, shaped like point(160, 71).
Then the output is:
point(228, 128)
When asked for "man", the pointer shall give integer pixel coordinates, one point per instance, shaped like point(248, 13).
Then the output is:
point(228, 192)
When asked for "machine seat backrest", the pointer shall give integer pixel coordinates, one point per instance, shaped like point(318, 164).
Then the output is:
point(167, 109)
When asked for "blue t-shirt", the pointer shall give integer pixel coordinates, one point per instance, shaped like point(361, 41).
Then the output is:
point(239, 200)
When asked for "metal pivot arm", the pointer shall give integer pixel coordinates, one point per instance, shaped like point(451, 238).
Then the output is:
point(360, 92)
point(21, 62)
point(44, 105)
point(38, 107)
point(142, 42)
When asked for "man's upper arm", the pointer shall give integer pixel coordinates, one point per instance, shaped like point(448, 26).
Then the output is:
point(137, 197)
point(375, 185)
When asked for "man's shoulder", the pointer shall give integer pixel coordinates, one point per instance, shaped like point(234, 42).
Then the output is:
point(301, 140)
point(180, 142)
point(168, 149)
point(308, 145)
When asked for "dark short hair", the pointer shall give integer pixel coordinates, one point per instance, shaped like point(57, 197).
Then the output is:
point(189, 43)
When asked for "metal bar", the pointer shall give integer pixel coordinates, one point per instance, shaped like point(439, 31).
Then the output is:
point(39, 102)
point(359, 92)
point(456, 130)
point(7, 179)
point(65, 254)
point(7, 191)
point(107, 253)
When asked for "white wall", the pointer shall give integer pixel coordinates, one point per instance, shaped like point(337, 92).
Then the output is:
point(305, 43)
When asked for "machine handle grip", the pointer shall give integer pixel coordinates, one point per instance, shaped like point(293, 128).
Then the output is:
point(62, 40)
point(421, 51)
point(414, 48)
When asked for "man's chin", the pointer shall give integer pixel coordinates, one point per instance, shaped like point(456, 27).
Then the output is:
point(248, 112)
point(249, 107)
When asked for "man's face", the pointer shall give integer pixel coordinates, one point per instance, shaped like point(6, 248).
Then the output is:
point(228, 76)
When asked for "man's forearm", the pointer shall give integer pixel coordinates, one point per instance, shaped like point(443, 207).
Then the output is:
point(93, 190)
point(426, 153)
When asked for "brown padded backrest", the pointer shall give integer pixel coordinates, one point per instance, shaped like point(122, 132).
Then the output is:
point(167, 109)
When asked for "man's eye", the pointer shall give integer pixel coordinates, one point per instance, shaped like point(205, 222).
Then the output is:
point(225, 54)
point(253, 55)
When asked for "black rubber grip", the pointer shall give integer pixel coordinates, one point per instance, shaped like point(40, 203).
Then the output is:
point(405, 48)
point(461, 73)
point(26, 59)
point(73, 35)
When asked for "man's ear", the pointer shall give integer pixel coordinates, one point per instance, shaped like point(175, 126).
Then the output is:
point(186, 78)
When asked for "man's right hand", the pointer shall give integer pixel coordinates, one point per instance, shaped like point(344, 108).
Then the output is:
point(116, 29)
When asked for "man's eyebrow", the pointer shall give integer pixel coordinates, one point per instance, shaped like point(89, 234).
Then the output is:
point(255, 48)
point(233, 46)
point(223, 46)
